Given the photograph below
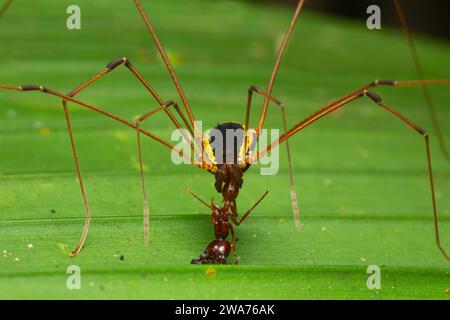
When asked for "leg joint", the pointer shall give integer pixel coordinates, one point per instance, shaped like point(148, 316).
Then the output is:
point(32, 87)
point(372, 95)
point(384, 83)
point(256, 89)
point(117, 62)
point(265, 94)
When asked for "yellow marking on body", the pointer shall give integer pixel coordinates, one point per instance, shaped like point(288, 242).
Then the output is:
point(242, 159)
point(208, 150)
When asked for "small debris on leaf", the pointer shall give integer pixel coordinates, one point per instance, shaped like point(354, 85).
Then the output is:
point(210, 271)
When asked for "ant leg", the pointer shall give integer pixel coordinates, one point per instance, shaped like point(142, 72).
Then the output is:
point(293, 193)
point(377, 99)
point(250, 210)
point(233, 239)
point(5, 7)
point(164, 107)
point(421, 74)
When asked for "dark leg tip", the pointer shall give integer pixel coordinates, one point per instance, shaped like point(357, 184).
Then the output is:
point(386, 82)
point(115, 63)
point(31, 87)
point(256, 88)
point(374, 96)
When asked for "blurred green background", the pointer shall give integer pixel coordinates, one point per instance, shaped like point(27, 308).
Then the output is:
point(361, 174)
point(427, 17)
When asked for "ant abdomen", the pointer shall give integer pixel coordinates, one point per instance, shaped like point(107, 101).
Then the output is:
point(216, 252)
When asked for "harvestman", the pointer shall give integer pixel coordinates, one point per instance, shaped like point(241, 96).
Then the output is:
point(229, 175)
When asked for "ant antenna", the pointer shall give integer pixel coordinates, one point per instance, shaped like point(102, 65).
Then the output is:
point(198, 198)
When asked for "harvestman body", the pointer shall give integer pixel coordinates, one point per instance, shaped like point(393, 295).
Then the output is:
point(229, 175)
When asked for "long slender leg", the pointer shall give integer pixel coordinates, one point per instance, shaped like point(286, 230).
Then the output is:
point(127, 63)
point(421, 74)
point(374, 97)
point(233, 217)
point(392, 83)
point(277, 65)
point(396, 84)
point(80, 181)
point(165, 58)
point(164, 106)
point(100, 111)
point(91, 107)
point(5, 7)
point(293, 192)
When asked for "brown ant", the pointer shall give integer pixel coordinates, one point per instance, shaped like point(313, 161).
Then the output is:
point(219, 249)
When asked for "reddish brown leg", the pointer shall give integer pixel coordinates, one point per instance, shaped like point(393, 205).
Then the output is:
point(198, 198)
point(421, 74)
point(109, 68)
point(395, 84)
point(164, 107)
point(176, 82)
point(126, 62)
point(5, 7)
point(80, 181)
point(274, 74)
point(293, 192)
point(374, 97)
point(66, 98)
point(233, 239)
point(234, 218)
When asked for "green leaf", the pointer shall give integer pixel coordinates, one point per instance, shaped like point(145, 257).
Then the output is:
point(361, 174)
